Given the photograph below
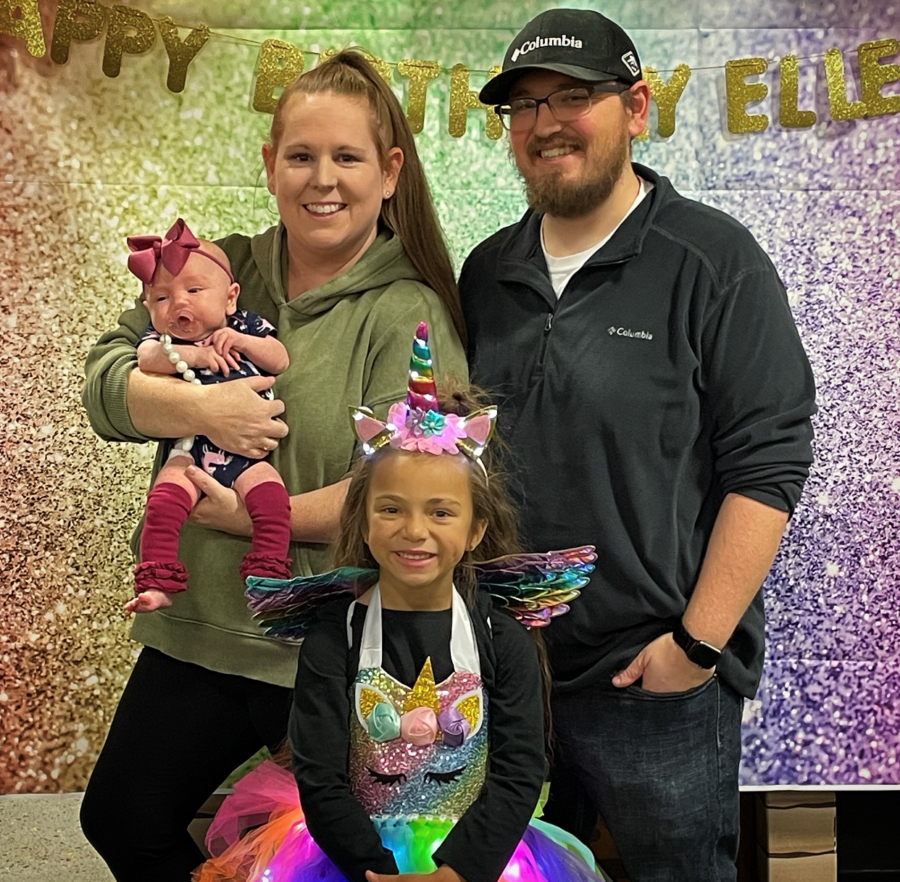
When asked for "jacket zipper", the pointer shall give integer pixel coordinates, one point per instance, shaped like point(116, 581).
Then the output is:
point(548, 324)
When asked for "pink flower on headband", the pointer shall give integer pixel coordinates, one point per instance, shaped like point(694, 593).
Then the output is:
point(425, 431)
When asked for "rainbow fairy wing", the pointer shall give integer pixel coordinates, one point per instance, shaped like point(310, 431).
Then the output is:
point(537, 587)
point(286, 608)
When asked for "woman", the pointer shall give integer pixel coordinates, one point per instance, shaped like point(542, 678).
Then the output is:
point(355, 264)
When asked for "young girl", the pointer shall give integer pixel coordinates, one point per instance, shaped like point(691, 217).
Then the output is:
point(417, 728)
point(196, 330)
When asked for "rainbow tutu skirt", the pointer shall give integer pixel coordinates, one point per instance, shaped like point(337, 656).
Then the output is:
point(280, 848)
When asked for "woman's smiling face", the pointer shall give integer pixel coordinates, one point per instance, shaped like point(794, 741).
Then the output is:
point(326, 175)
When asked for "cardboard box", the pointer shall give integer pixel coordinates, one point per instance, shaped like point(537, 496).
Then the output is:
point(795, 834)
point(791, 798)
point(796, 823)
point(797, 868)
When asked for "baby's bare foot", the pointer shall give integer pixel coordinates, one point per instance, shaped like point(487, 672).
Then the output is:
point(148, 601)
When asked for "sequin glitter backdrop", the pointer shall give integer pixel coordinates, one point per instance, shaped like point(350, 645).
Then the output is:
point(86, 160)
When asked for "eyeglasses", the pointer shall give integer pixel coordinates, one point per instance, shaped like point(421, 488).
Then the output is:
point(565, 105)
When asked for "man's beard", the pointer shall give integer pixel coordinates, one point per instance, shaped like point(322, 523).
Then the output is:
point(550, 194)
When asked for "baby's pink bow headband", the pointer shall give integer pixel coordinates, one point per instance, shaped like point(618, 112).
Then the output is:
point(173, 252)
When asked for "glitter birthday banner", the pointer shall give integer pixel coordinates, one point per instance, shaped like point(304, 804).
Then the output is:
point(129, 31)
point(87, 159)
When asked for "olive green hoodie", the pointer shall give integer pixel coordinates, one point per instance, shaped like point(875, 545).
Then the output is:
point(349, 342)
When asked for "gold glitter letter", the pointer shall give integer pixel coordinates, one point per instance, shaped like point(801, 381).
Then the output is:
point(27, 25)
point(875, 75)
point(789, 113)
point(279, 65)
point(841, 108)
point(129, 31)
point(181, 53)
point(383, 67)
point(463, 99)
point(419, 73)
point(66, 29)
point(739, 93)
point(667, 95)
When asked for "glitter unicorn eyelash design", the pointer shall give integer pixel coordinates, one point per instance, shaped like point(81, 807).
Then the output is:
point(389, 780)
point(444, 777)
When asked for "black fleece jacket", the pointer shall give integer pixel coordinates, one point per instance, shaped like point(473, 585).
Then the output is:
point(667, 375)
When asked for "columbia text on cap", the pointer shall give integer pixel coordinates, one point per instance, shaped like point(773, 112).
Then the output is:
point(579, 43)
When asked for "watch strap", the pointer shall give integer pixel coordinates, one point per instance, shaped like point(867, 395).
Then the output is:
point(702, 654)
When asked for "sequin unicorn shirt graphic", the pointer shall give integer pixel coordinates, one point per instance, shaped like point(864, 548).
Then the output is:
point(419, 751)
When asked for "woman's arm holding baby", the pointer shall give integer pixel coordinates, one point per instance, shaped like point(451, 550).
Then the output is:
point(153, 358)
point(315, 515)
point(232, 415)
point(126, 404)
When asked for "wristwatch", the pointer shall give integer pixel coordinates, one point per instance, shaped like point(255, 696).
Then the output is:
point(704, 655)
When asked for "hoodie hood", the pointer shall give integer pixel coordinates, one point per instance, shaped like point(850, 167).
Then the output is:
point(384, 263)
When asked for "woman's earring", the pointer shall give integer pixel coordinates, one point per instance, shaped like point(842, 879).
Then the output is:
point(388, 194)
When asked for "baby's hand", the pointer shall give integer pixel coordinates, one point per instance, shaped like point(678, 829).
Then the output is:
point(227, 343)
point(147, 601)
point(205, 356)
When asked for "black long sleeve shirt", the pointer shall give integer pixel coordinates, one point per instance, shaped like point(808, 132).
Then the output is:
point(668, 374)
point(482, 841)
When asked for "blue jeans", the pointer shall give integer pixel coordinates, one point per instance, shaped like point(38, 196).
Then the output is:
point(661, 769)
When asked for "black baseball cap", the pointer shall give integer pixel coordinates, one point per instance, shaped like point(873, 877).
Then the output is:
point(580, 43)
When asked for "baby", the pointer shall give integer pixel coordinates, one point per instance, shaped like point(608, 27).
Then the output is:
point(196, 330)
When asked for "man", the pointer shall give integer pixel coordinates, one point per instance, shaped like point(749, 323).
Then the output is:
point(657, 401)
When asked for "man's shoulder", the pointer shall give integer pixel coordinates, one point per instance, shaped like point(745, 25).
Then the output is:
point(704, 229)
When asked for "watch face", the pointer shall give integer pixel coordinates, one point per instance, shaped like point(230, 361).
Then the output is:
point(701, 654)
point(704, 655)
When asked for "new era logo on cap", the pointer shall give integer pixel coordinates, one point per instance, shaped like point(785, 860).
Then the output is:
point(631, 63)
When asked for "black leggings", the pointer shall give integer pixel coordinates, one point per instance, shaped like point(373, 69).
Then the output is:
point(178, 732)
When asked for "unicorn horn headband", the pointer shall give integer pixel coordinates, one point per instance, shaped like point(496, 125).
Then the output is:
point(417, 424)
point(172, 252)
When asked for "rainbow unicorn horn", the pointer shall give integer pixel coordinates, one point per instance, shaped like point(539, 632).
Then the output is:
point(422, 393)
point(417, 424)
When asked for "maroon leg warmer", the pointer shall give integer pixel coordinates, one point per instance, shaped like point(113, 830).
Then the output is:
point(269, 507)
point(168, 507)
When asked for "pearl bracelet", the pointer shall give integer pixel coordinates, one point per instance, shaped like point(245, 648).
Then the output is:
point(180, 364)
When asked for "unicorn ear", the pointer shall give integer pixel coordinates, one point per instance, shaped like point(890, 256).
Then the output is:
point(478, 426)
point(471, 706)
point(366, 697)
point(371, 431)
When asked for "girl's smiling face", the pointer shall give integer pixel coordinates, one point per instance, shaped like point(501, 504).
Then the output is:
point(326, 175)
point(419, 524)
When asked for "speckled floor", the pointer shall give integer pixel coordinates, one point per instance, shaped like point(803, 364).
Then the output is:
point(42, 842)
